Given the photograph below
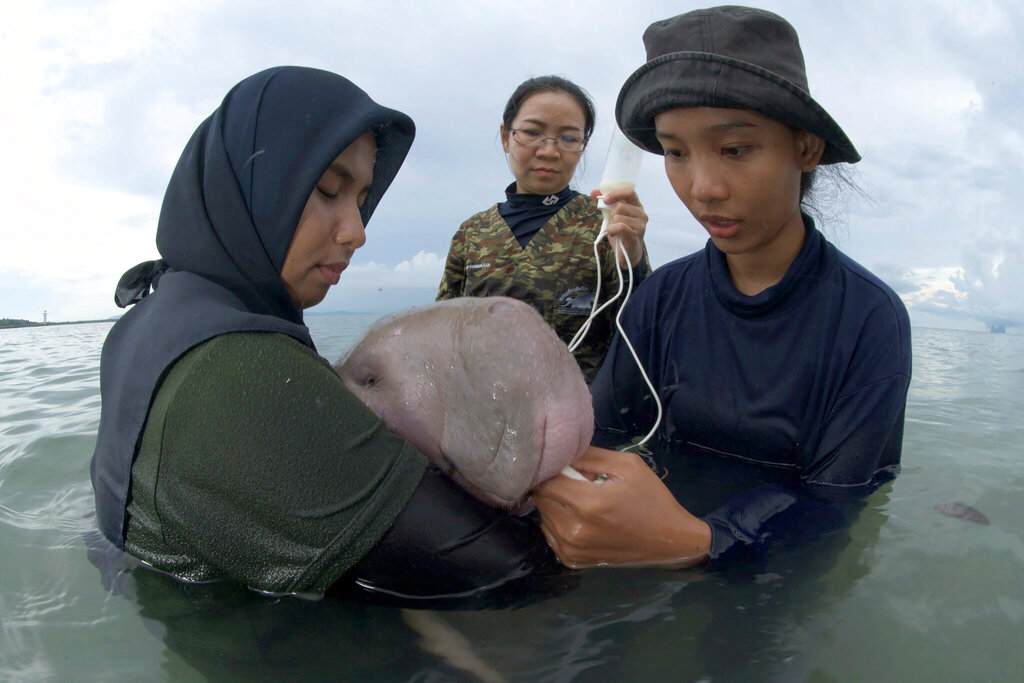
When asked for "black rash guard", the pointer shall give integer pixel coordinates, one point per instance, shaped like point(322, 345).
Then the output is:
point(809, 376)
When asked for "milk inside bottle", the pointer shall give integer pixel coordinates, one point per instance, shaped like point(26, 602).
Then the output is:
point(621, 166)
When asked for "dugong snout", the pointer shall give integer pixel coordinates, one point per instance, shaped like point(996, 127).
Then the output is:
point(482, 386)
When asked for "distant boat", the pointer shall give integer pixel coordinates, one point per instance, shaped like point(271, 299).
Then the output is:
point(997, 329)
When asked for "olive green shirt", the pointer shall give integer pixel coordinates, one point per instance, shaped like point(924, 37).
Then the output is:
point(258, 465)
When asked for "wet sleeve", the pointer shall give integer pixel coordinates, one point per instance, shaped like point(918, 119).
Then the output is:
point(859, 449)
point(271, 470)
point(773, 516)
point(453, 280)
point(445, 544)
point(863, 433)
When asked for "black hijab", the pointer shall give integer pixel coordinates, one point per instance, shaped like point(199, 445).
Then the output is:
point(227, 220)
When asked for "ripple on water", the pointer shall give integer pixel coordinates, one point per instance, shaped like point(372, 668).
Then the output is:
point(46, 612)
point(924, 592)
point(45, 485)
point(45, 371)
point(19, 429)
point(64, 517)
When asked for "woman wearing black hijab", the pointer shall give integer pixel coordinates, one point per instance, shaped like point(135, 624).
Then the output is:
point(227, 448)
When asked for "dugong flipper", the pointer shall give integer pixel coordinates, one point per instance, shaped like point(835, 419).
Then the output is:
point(482, 386)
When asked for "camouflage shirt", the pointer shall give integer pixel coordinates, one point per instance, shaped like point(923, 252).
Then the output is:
point(555, 272)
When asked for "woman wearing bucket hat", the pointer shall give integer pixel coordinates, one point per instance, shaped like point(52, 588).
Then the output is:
point(538, 245)
point(769, 347)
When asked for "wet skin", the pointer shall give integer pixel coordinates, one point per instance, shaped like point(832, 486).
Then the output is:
point(482, 386)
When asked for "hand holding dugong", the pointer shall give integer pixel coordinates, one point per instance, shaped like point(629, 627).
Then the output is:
point(482, 386)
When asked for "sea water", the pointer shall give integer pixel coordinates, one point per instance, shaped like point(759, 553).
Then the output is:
point(905, 593)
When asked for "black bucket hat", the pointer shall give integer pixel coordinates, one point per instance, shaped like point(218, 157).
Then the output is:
point(734, 57)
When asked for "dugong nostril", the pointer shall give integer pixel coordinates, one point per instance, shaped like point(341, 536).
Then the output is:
point(499, 306)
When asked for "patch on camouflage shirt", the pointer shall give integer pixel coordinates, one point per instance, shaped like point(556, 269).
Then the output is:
point(576, 301)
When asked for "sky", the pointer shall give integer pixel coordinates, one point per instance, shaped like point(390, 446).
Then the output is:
point(99, 98)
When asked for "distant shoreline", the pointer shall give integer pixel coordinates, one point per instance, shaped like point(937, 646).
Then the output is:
point(11, 323)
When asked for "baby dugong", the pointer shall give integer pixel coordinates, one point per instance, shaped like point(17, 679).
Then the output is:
point(482, 386)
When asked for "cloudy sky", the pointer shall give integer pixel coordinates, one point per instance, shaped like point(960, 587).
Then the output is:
point(99, 98)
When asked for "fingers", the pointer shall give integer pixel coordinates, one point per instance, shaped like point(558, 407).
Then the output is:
point(562, 528)
point(561, 490)
point(632, 215)
point(553, 492)
point(562, 495)
point(618, 196)
point(594, 463)
point(601, 460)
point(631, 519)
point(556, 547)
point(627, 226)
point(626, 218)
point(627, 223)
point(627, 210)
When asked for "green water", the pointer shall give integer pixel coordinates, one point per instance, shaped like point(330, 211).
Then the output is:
point(906, 593)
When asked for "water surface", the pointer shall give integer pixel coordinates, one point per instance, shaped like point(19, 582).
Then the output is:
point(906, 593)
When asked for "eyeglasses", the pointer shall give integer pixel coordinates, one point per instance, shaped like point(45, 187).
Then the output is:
point(528, 137)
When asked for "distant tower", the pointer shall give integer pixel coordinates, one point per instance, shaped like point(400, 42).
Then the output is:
point(44, 317)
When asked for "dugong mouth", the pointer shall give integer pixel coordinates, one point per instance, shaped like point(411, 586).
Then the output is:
point(501, 485)
point(519, 486)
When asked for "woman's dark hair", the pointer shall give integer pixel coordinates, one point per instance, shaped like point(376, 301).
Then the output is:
point(538, 84)
point(825, 193)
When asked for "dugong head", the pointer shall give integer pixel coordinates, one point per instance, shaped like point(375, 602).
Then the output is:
point(482, 386)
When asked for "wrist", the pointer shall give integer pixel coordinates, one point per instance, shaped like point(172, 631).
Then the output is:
point(693, 540)
point(633, 257)
point(637, 259)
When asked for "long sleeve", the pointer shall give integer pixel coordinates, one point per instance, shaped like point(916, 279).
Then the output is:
point(862, 437)
point(257, 464)
point(859, 449)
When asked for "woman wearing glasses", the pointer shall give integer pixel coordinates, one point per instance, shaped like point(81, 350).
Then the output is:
point(537, 245)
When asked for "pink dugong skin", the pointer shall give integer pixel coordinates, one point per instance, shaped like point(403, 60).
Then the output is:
point(482, 386)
